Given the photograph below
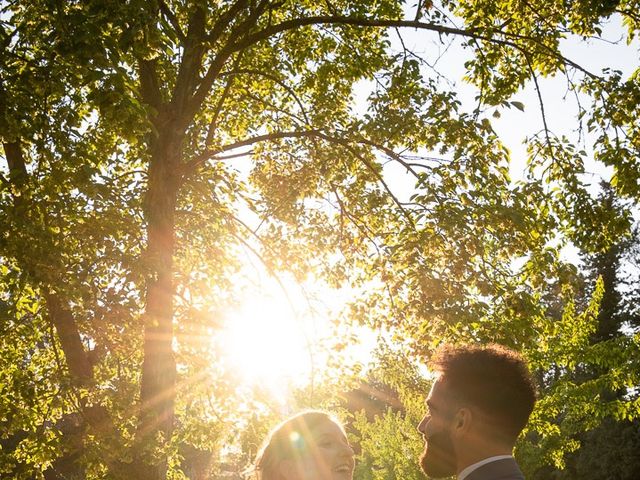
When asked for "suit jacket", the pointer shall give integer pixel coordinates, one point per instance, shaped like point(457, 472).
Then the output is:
point(506, 469)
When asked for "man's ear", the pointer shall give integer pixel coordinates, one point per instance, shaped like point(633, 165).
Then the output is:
point(462, 421)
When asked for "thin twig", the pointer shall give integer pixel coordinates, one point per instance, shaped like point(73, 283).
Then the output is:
point(541, 102)
point(275, 79)
point(216, 112)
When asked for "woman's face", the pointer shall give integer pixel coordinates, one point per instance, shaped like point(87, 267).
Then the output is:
point(327, 457)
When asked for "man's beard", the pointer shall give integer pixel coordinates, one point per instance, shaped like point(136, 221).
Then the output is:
point(438, 459)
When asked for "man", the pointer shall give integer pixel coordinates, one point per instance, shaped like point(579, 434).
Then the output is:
point(478, 405)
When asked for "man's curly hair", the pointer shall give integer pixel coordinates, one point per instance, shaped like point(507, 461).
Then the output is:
point(491, 378)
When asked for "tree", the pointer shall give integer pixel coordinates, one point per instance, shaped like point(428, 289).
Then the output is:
point(606, 253)
point(124, 208)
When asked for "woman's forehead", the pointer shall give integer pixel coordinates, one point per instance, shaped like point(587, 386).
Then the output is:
point(328, 427)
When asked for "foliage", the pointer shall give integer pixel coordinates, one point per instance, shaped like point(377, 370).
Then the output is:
point(148, 146)
point(610, 372)
point(389, 452)
point(385, 428)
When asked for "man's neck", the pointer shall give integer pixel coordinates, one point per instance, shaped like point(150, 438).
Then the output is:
point(470, 456)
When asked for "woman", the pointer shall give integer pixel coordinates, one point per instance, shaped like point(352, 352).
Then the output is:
point(309, 446)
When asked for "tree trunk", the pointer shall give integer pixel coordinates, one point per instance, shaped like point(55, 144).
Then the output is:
point(159, 367)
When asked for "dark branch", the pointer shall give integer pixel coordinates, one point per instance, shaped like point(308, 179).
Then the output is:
point(236, 155)
point(225, 19)
point(15, 161)
point(204, 156)
point(12, 147)
point(272, 107)
point(391, 154)
point(367, 22)
point(75, 355)
point(149, 84)
point(216, 113)
point(166, 11)
point(196, 162)
point(240, 39)
point(375, 172)
point(361, 226)
point(223, 55)
point(541, 103)
point(629, 13)
point(194, 50)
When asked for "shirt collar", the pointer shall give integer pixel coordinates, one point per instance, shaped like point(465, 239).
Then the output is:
point(465, 473)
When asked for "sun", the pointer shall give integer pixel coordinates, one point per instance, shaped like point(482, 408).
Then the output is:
point(266, 343)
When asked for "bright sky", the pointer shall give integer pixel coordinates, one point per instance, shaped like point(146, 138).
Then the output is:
point(513, 125)
point(274, 339)
point(267, 339)
point(560, 106)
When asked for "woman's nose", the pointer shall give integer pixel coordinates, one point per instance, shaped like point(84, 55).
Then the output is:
point(347, 450)
point(423, 424)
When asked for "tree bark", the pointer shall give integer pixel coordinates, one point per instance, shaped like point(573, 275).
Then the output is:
point(157, 390)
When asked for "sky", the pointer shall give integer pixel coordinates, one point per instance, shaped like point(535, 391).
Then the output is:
point(513, 125)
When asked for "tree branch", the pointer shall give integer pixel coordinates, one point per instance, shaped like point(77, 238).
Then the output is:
point(224, 53)
point(194, 50)
point(149, 84)
point(196, 162)
point(276, 109)
point(391, 154)
point(362, 227)
point(541, 103)
point(377, 174)
point(148, 74)
point(235, 155)
point(75, 355)
point(367, 22)
point(220, 104)
point(287, 88)
point(192, 165)
point(15, 160)
point(166, 11)
point(629, 13)
point(12, 148)
point(204, 156)
point(225, 19)
point(244, 40)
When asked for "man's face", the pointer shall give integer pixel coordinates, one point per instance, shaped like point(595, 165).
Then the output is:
point(438, 458)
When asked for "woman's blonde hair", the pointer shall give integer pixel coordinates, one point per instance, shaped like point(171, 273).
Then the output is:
point(289, 439)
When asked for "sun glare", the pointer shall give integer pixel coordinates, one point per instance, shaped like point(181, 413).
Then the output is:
point(264, 342)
